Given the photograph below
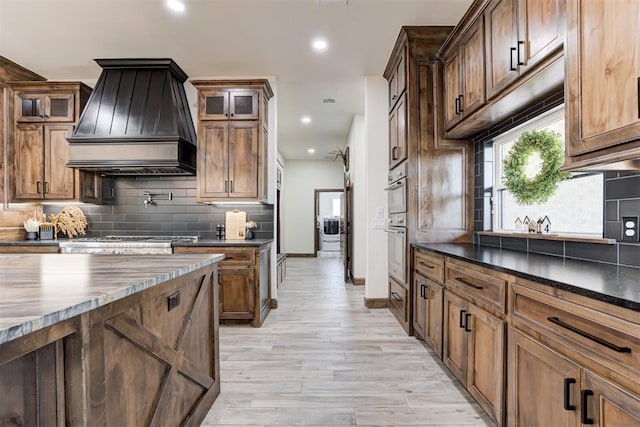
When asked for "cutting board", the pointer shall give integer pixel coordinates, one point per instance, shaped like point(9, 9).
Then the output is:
point(235, 225)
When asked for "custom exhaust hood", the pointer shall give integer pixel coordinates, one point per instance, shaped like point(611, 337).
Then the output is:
point(136, 122)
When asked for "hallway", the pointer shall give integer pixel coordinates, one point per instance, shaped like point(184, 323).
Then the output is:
point(323, 359)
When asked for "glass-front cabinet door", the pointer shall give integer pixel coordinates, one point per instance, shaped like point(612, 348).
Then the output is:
point(244, 105)
point(38, 107)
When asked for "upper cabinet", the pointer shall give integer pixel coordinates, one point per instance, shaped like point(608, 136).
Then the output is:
point(45, 114)
point(502, 56)
point(232, 140)
point(603, 82)
point(464, 76)
point(398, 78)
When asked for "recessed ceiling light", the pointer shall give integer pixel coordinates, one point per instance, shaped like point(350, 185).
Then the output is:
point(306, 120)
point(175, 5)
point(319, 45)
point(311, 150)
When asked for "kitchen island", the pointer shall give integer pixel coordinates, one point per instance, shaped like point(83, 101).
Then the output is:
point(108, 340)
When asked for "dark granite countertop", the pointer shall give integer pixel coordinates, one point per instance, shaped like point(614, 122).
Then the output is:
point(216, 242)
point(30, 242)
point(605, 282)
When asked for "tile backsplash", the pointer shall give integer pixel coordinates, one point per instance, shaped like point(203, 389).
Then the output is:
point(180, 216)
point(621, 198)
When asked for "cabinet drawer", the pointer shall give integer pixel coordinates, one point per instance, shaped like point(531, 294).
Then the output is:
point(483, 286)
point(399, 301)
point(233, 255)
point(579, 330)
point(429, 264)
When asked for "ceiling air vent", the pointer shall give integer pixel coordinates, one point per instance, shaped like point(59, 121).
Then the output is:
point(328, 100)
point(332, 2)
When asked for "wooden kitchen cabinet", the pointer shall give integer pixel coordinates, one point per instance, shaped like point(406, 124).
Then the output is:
point(398, 133)
point(39, 147)
point(603, 75)
point(244, 279)
point(519, 35)
point(464, 76)
point(428, 294)
point(608, 405)
point(232, 140)
point(398, 78)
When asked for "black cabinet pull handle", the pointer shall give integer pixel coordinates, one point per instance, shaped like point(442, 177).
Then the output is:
point(584, 413)
point(38, 187)
point(464, 282)
point(394, 153)
point(426, 265)
point(422, 291)
point(567, 394)
point(457, 104)
point(520, 43)
point(461, 104)
point(226, 186)
point(466, 322)
point(639, 97)
point(462, 312)
point(587, 335)
point(231, 184)
point(219, 279)
point(46, 187)
point(396, 296)
point(394, 97)
point(511, 66)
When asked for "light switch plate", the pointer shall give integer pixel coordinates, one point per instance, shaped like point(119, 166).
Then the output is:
point(630, 229)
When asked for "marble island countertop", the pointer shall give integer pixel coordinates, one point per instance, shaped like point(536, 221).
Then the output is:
point(614, 284)
point(41, 290)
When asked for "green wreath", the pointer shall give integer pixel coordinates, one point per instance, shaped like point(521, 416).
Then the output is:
point(545, 183)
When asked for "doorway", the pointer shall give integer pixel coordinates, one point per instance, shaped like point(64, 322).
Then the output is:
point(329, 220)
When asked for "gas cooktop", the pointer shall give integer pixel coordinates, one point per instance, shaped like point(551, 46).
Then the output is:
point(133, 239)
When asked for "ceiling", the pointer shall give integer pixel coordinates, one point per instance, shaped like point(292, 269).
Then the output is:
point(232, 38)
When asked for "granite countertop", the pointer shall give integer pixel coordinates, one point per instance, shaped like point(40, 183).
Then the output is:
point(216, 242)
point(605, 282)
point(31, 242)
point(41, 290)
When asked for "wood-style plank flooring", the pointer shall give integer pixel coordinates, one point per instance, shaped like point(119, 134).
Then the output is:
point(324, 359)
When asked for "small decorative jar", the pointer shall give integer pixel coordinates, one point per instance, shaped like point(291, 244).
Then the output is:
point(249, 235)
point(32, 235)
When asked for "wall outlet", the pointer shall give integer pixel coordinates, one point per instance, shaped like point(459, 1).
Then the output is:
point(630, 229)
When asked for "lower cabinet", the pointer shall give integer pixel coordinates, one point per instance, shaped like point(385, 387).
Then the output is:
point(570, 395)
point(244, 277)
point(474, 351)
point(399, 304)
point(29, 249)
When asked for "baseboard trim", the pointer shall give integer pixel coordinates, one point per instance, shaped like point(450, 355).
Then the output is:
point(274, 303)
point(290, 255)
point(376, 302)
point(358, 281)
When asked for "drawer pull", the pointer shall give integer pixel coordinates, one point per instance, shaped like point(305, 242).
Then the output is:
point(466, 322)
point(461, 280)
point(584, 413)
point(422, 291)
point(426, 265)
point(462, 312)
point(589, 336)
point(567, 394)
point(396, 296)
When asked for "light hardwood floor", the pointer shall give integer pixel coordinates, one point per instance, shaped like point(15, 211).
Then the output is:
point(323, 359)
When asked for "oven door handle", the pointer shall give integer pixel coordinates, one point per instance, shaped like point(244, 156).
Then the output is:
point(388, 230)
point(396, 184)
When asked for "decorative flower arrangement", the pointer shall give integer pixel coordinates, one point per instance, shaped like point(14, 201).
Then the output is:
point(250, 225)
point(31, 225)
point(70, 221)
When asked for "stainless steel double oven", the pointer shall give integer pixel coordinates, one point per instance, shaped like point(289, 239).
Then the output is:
point(397, 225)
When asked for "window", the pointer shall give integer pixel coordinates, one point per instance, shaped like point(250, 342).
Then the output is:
point(336, 207)
point(577, 206)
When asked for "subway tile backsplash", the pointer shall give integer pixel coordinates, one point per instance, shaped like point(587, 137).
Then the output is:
point(621, 198)
point(180, 216)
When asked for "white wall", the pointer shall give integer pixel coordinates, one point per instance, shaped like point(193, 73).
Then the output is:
point(357, 174)
point(301, 178)
point(376, 137)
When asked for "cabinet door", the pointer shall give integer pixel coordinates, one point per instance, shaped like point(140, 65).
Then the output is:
point(473, 71)
point(243, 105)
point(29, 107)
point(29, 162)
point(59, 181)
point(398, 79)
point(212, 179)
point(485, 366)
point(398, 133)
point(541, 29)
point(214, 105)
point(399, 304)
point(420, 302)
point(236, 294)
point(90, 187)
point(454, 348)
point(38, 107)
point(502, 45)
point(433, 331)
point(58, 107)
point(603, 74)
point(243, 159)
point(452, 91)
point(609, 405)
point(541, 384)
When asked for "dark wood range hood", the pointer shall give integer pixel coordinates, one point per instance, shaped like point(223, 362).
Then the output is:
point(136, 122)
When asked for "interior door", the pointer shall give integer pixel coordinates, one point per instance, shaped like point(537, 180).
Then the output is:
point(347, 237)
